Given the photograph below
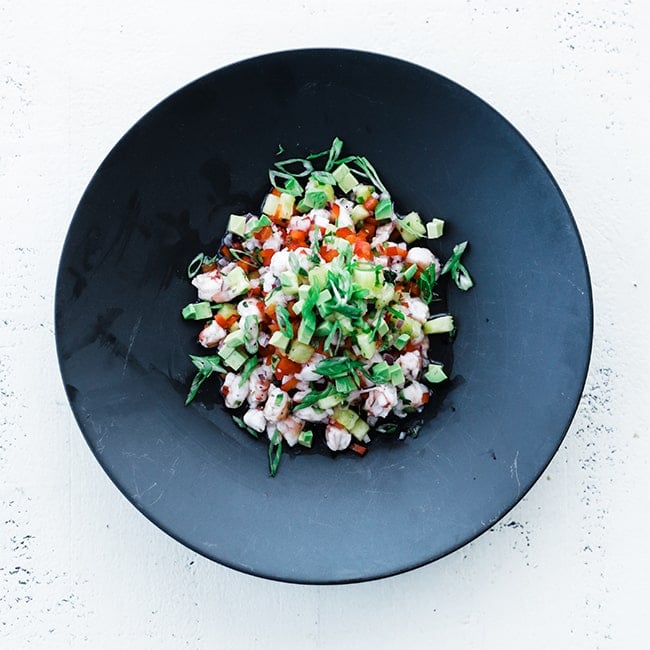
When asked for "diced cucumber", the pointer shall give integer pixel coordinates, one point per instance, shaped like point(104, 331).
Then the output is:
point(328, 189)
point(330, 401)
point(411, 227)
point(364, 278)
point(411, 327)
point(435, 228)
point(360, 429)
point(303, 291)
point(271, 204)
point(384, 210)
point(385, 295)
point(435, 374)
point(362, 192)
point(323, 297)
point(300, 352)
point(287, 202)
point(235, 339)
point(359, 213)
point(237, 224)
point(297, 306)
point(225, 352)
point(235, 360)
point(410, 272)
point(381, 373)
point(315, 199)
point(345, 324)
point(289, 283)
point(303, 206)
point(197, 311)
point(366, 345)
point(345, 417)
point(237, 281)
point(344, 178)
point(259, 223)
point(323, 329)
point(318, 275)
point(396, 375)
point(305, 438)
point(227, 310)
point(439, 325)
point(279, 340)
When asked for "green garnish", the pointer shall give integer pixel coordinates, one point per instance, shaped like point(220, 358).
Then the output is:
point(458, 272)
point(427, 282)
point(195, 265)
point(275, 452)
point(284, 321)
point(242, 425)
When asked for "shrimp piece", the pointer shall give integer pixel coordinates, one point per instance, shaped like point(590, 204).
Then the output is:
point(417, 309)
point(381, 400)
point(255, 419)
point(259, 383)
point(290, 429)
point(411, 365)
point(234, 393)
point(249, 307)
point(415, 395)
point(337, 437)
point(277, 405)
point(268, 282)
point(213, 286)
point(307, 373)
point(211, 335)
point(280, 262)
point(311, 414)
point(321, 218)
point(423, 257)
point(344, 220)
point(300, 223)
point(275, 241)
point(382, 234)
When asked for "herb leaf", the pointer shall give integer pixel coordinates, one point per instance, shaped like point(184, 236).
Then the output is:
point(275, 451)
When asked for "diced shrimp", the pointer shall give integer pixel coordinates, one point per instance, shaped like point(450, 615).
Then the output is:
point(423, 258)
point(280, 262)
point(307, 373)
point(337, 438)
point(344, 220)
point(275, 241)
point(213, 286)
point(311, 414)
point(233, 392)
point(382, 234)
point(290, 428)
point(211, 335)
point(381, 400)
point(417, 309)
point(415, 395)
point(259, 383)
point(268, 282)
point(321, 218)
point(300, 223)
point(411, 365)
point(249, 307)
point(251, 244)
point(277, 405)
point(255, 419)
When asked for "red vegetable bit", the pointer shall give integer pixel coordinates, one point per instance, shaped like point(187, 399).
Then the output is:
point(363, 250)
point(286, 367)
point(276, 191)
point(358, 449)
point(347, 233)
point(296, 239)
point(226, 323)
point(263, 233)
point(395, 251)
point(336, 210)
point(289, 384)
point(370, 204)
point(328, 253)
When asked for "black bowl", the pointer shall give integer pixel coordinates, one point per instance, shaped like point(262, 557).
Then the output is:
point(165, 192)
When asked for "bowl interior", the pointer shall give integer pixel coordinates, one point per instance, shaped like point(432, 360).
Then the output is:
point(165, 192)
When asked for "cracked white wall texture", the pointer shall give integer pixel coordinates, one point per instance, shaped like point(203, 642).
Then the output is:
point(567, 568)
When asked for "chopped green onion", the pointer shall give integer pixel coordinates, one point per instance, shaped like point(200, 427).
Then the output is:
point(195, 265)
point(284, 321)
point(242, 425)
point(275, 452)
point(307, 167)
point(334, 153)
point(458, 272)
point(247, 370)
point(291, 185)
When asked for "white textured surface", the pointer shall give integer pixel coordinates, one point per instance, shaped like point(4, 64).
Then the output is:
point(567, 568)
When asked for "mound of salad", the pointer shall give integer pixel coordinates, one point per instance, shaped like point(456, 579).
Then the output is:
point(318, 311)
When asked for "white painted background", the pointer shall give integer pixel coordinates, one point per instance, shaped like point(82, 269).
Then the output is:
point(567, 568)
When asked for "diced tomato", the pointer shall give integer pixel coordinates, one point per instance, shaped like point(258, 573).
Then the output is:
point(371, 203)
point(265, 351)
point(286, 367)
point(225, 251)
point(270, 310)
point(205, 268)
point(425, 398)
point(226, 323)
point(358, 449)
point(336, 210)
point(296, 239)
point(267, 254)
point(328, 253)
point(254, 292)
point(347, 233)
point(263, 233)
point(276, 191)
point(395, 251)
point(363, 250)
point(289, 384)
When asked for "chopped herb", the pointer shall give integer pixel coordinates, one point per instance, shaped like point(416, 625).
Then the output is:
point(284, 321)
point(458, 272)
point(242, 425)
point(275, 451)
point(195, 265)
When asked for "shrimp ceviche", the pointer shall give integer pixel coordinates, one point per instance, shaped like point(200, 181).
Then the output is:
point(318, 312)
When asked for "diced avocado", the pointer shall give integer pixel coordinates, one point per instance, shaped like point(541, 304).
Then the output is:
point(396, 375)
point(411, 227)
point(327, 188)
point(287, 202)
point(435, 228)
point(401, 341)
point(235, 339)
point(345, 417)
point(363, 192)
point(330, 401)
point(439, 325)
point(435, 374)
point(237, 225)
point(289, 283)
point(359, 213)
point(411, 327)
point(364, 277)
point(315, 199)
point(197, 311)
point(384, 210)
point(271, 204)
point(300, 352)
point(237, 281)
point(279, 340)
point(305, 438)
point(366, 345)
point(306, 330)
point(225, 352)
point(227, 310)
point(360, 429)
point(344, 178)
point(235, 360)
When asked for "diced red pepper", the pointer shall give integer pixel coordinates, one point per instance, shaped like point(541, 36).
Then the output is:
point(363, 250)
point(358, 449)
point(328, 253)
point(336, 210)
point(267, 254)
point(370, 204)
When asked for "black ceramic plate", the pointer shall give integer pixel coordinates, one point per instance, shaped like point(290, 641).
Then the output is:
point(165, 192)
